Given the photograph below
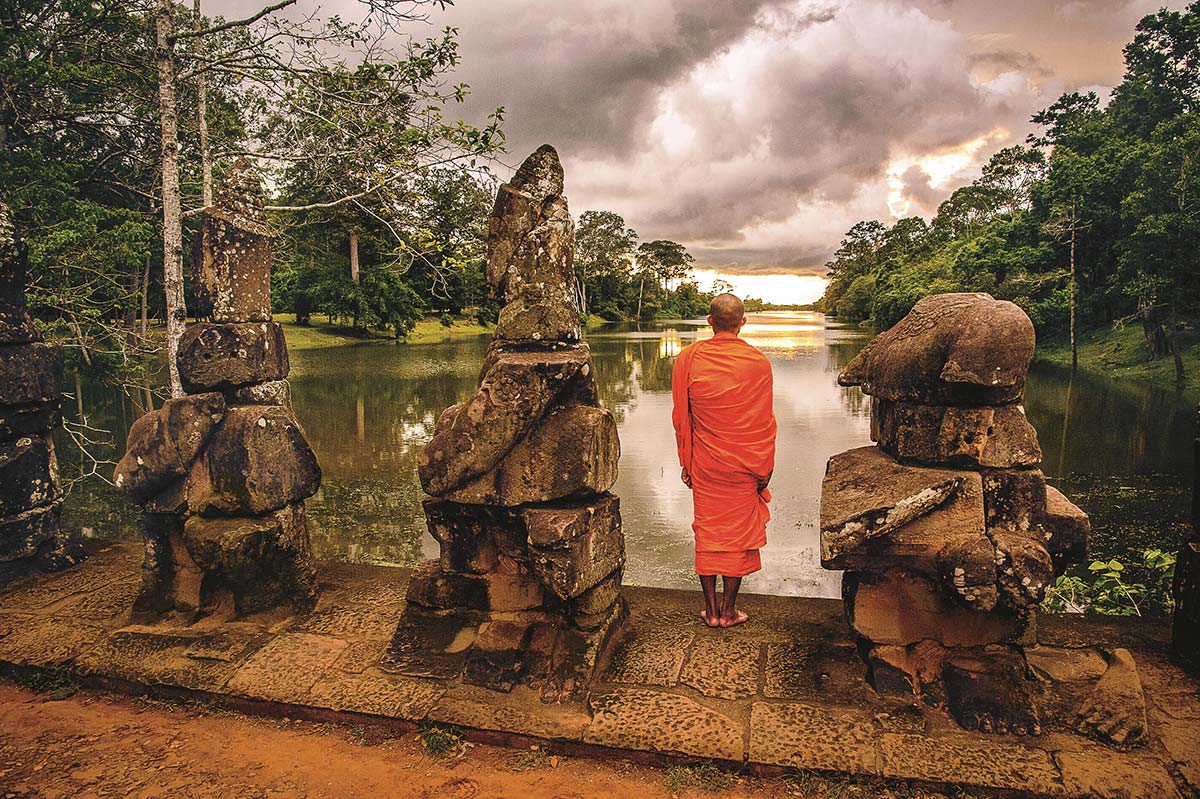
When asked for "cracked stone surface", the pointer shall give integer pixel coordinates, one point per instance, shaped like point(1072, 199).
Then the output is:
point(531, 718)
point(659, 722)
point(1094, 772)
point(648, 656)
point(375, 694)
point(808, 737)
point(286, 669)
point(721, 666)
point(814, 671)
point(992, 764)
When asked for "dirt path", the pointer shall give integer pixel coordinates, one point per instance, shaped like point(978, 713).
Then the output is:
point(103, 745)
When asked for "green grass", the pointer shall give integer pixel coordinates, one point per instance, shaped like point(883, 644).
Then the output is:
point(54, 685)
point(702, 776)
point(320, 334)
point(1120, 352)
point(441, 740)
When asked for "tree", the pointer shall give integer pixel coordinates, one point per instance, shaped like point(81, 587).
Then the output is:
point(357, 133)
point(662, 261)
point(603, 246)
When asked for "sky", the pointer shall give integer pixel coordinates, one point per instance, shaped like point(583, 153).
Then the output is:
point(756, 132)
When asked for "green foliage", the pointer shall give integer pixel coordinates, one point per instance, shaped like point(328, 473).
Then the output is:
point(702, 776)
point(1110, 591)
point(442, 740)
point(55, 684)
point(1118, 187)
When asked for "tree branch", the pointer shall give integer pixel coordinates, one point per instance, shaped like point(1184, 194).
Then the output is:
point(235, 23)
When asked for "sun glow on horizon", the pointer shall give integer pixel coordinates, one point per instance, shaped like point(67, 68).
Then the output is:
point(781, 289)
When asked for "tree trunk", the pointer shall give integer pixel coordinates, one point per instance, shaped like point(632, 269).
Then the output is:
point(1173, 343)
point(354, 257)
point(206, 181)
point(583, 296)
point(641, 287)
point(145, 297)
point(1074, 351)
point(1152, 327)
point(175, 311)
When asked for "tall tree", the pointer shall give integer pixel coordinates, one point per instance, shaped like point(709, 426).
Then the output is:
point(603, 246)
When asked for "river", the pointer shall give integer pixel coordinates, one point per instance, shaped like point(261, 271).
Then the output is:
point(1122, 451)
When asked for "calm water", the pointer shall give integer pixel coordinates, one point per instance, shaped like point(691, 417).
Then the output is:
point(1122, 451)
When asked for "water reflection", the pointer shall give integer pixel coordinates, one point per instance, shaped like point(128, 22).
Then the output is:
point(1123, 450)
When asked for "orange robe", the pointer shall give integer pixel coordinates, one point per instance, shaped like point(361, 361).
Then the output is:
point(725, 433)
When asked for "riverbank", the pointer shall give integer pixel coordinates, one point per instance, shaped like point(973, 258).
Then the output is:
point(1120, 353)
point(319, 335)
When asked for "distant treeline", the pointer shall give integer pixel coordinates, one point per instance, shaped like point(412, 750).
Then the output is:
point(1101, 211)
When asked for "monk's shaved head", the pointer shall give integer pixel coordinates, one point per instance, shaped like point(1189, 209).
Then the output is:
point(726, 313)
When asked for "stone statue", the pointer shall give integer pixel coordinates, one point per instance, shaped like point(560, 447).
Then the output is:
point(947, 530)
point(30, 369)
point(519, 472)
point(222, 473)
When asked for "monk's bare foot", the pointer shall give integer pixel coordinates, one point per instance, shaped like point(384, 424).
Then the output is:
point(734, 619)
point(714, 621)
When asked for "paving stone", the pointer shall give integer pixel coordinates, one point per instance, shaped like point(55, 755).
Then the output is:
point(229, 645)
point(41, 641)
point(648, 654)
point(721, 666)
point(43, 592)
point(556, 722)
point(286, 669)
point(652, 721)
point(429, 646)
point(375, 694)
point(361, 655)
point(368, 617)
point(1067, 665)
point(1101, 773)
point(815, 671)
point(155, 658)
point(108, 602)
point(808, 737)
point(969, 761)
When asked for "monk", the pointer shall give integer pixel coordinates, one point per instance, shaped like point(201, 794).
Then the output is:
point(725, 433)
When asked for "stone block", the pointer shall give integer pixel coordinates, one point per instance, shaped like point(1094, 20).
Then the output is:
point(984, 437)
point(951, 349)
point(219, 357)
point(429, 646)
point(272, 392)
point(28, 420)
point(572, 449)
point(550, 314)
point(516, 388)
point(23, 535)
point(498, 657)
point(659, 722)
point(1066, 530)
point(908, 671)
point(465, 533)
point(257, 461)
point(30, 373)
point(902, 608)
point(989, 690)
point(878, 512)
point(592, 608)
point(162, 444)
point(432, 587)
point(574, 547)
point(1014, 500)
point(263, 561)
point(28, 475)
point(16, 327)
point(237, 257)
point(513, 587)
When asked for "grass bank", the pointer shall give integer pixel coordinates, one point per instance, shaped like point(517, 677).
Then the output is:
point(318, 334)
point(1120, 352)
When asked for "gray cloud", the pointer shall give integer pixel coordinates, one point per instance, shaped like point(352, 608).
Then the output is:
point(758, 131)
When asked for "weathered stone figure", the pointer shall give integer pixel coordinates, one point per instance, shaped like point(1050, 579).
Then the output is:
point(30, 370)
point(947, 530)
point(222, 473)
point(519, 472)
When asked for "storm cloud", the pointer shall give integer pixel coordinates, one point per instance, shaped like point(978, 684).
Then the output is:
point(757, 132)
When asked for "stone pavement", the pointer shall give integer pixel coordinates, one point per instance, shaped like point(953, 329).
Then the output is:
point(783, 692)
